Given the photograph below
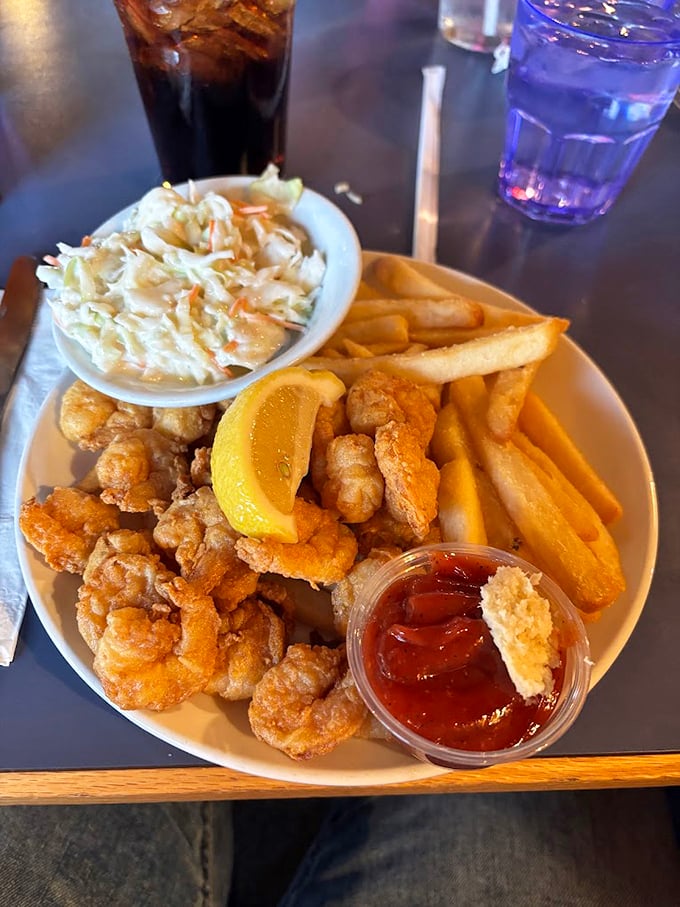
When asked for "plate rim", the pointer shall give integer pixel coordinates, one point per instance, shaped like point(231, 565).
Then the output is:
point(307, 773)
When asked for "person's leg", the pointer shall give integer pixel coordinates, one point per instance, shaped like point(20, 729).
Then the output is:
point(136, 855)
point(585, 848)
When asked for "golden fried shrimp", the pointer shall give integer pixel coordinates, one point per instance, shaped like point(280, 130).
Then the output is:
point(122, 571)
point(153, 659)
point(252, 638)
point(411, 480)
point(66, 526)
point(308, 703)
point(197, 533)
point(92, 420)
point(185, 424)
point(355, 485)
point(344, 593)
point(331, 421)
point(199, 468)
point(323, 554)
point(140, 471)
point(376, 398)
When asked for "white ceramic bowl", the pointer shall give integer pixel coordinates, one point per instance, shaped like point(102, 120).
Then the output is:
point(574, 643)
point(329, 230)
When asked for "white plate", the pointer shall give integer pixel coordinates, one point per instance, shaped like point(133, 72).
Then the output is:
point(218, 731)
point(330, 232)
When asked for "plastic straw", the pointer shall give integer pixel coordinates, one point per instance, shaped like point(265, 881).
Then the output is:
point(426, 220)
point(490, 18)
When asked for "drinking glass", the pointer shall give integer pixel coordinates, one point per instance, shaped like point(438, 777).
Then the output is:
point(588, 85)
point(213, 76)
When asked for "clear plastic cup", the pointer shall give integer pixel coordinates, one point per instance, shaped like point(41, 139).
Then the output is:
point(574, 643)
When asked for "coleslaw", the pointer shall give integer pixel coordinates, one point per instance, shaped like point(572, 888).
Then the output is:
point(190, 288)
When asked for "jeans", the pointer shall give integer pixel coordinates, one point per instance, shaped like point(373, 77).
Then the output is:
point(585, 848)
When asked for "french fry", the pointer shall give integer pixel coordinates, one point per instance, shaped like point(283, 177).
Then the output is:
point(460, 513)
point(366, 291)
point(357, 349)
point(402, 279)
point(450, 440)
point(450, 311)
point(571, 502)
point(506, 399)
point(485, 355)
point(500, 530)
point(590, 581)
point(382, 329)
point(543, 428)
point(435, 337)
point(497, 317)
point(366, 350)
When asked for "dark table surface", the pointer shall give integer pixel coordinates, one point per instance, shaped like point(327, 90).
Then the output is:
point(74, 148)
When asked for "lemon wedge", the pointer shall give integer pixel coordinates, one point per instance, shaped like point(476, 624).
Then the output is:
point(262, 446)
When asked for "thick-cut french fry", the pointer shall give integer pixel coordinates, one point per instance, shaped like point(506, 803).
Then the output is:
point(571, 502)
point(450, 439)
point(500, 529)
point(451, 311)
point(366, 291)
point(402, 279)
point(507, 394)
point(460, 513)
point(497, 317)
point(506, 349)
point(544, 429)
point(435, 337)
point(383, 329)
point(590, 581)
point(373, 349)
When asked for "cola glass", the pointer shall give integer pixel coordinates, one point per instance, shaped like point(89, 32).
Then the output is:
point(213, 77)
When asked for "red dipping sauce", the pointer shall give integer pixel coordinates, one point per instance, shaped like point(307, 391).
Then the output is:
point(431, 661)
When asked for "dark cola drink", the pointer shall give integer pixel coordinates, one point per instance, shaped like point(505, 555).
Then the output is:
point(213, 76)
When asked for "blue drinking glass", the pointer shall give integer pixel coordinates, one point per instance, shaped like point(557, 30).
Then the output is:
point(588, 85)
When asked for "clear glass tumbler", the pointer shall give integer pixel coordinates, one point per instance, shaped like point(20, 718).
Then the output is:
point(213, 76)
point(588, 85)
point(476, 24)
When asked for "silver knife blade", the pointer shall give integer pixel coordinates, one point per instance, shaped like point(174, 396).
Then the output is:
point(17, 311)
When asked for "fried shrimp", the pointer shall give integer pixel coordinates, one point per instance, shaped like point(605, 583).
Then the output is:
point(308, 703)
point(411, 480)
point(331, 421)
point(323, 554)
point(185, 424)
point(377, 398)
point(140, 471)
point(66, 526)
point(198, 535)
point(92, 420)
point(344, 593)
point(122, 571)
point(354, 487)
point(252, 638)
point(199, 468)
point(151, 658)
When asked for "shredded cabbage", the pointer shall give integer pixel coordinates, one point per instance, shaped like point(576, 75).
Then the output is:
point(190, 288)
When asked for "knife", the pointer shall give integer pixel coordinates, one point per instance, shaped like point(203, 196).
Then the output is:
point(17, 311)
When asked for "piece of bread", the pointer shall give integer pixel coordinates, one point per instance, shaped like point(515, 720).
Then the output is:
point(521, 625)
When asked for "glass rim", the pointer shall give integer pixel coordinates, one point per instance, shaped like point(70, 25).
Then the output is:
point(539, 8)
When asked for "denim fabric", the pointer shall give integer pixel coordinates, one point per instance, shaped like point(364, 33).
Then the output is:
point(137, 855)
point(547, 849)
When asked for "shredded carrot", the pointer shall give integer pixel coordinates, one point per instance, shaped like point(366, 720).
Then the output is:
point(244, 208)
point(86, 241)
point(211, 236)
point(51, 260)
point(230, 347)
point(193, 294)
point(223, 368)
point(239, 305)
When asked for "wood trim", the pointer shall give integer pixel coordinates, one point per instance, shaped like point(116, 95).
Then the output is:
point(166, 784)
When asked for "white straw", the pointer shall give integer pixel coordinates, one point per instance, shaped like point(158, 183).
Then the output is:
point(426, 219)
point(490, 18)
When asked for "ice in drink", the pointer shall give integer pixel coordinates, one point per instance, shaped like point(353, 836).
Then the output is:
point(476, 24)
point(586, 93)
point(213, 76)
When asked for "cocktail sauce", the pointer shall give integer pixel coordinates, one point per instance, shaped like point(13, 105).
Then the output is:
point(432, 662)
